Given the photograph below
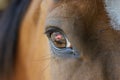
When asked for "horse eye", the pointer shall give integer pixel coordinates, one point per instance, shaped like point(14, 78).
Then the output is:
point(59, 40)
point(59, 43)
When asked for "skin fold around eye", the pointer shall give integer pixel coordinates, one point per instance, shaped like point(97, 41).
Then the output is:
point(59, 43)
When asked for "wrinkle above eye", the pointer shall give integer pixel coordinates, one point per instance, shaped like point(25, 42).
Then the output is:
point(59, 22)
point(54, 22)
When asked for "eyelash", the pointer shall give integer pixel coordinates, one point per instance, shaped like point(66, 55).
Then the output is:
point(52, 29)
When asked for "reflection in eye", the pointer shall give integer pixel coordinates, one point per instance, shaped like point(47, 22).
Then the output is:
point(58, 39)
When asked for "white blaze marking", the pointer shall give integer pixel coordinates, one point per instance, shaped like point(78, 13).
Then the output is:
point(113, 9)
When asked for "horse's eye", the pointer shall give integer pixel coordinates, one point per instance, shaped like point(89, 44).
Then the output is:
point(58, 39)
point(59, 43)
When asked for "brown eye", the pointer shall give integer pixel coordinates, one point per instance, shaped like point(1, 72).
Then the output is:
point(59, 43)
point(59, 40)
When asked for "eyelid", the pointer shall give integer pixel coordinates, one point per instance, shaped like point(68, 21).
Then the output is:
point(51, 29)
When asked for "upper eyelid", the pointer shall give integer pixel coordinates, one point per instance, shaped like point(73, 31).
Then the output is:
point(52, 29)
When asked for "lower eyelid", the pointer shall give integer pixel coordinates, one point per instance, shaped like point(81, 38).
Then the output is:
point(67, 52)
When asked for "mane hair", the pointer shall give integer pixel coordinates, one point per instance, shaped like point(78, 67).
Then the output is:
point(9, 28)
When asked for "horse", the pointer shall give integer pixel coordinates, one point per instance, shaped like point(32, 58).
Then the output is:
point(60, 40)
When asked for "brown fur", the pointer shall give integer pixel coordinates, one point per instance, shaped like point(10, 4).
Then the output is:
point(86, 24)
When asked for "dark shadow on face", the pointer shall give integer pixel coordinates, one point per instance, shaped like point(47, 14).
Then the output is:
point(87, 27)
